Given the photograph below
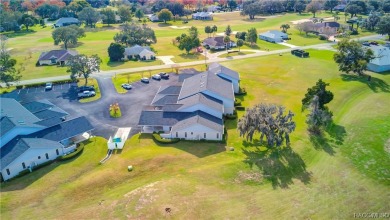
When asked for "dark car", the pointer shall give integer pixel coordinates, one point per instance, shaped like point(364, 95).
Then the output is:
point(86, 88)
point(164, 75)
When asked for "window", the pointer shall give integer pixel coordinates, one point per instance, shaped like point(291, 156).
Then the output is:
point(217, 135)
point(39, 157)
point(8, 172)
point(185, 134)
point(24, 165)
point(47, 156)
point(204, 135)
point(58, 153)
point(177, 134)
point(192, 133)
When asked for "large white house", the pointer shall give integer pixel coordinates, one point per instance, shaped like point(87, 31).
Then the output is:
point(193, 109)
point(381, 63)
point(35, 132)
point(273, 36)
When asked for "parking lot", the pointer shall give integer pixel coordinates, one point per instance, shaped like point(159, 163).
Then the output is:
point(131, 103)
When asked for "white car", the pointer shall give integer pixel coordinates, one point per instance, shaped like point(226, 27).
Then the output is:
point(86, 94)
point(127, 86)
point(49, 86)
point(156, 77)
point(145, 80)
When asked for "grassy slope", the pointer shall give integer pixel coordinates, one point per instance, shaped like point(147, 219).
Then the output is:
point(204, 181)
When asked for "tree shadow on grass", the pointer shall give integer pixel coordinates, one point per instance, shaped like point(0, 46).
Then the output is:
point(70, 46)
point(279, 166)
point(190, 56)
point(19, 33)
point(376, 85)
point(332, 138)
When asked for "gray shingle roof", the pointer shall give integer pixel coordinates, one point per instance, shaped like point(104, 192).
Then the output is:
point(59, 55)
point(36, 106)
point(65, 130)
point(170, 90)
point(164, 99)
point(214, 41)
point(217, 68)
point(13, 112)
point(50, 113)
point(171, 107)
point(201, 99)
point(67, 21)
point(17, 147)
point(6, 125)
point(136, 50)
point(202, 118)
point(206, 82)
point(160, 118)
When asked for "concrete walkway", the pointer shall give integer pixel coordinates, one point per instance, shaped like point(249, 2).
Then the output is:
point(109, 73)
point(288, 45)
point(166, 59)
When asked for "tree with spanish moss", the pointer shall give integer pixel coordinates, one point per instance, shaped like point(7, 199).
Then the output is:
point(270, 121)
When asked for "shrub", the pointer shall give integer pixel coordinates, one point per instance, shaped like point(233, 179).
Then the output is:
point(232, 116)
point(237, 102)
point(322, 37)
point(78, 150)
point(159, 139)
point(241, 91)
point(240, 108)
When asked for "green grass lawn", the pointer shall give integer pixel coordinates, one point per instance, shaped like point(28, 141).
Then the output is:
point(27, 46)
point(344, 173)
point(91, 82)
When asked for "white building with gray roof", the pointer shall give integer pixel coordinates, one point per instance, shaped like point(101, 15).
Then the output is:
point(34, 133)
point(193, 109)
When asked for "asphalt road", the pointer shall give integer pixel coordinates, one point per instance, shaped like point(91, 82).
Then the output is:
point(97, 112)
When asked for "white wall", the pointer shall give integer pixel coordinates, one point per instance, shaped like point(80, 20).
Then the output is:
point(196, 132)
point(17, 131)
point(202, 108)
point(46, 62)
point(228, 104)
point(29, 158)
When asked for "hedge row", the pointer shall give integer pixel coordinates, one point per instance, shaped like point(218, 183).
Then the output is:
point(232, 116)
point(79, 149)
point(240, 108)
point(161, 140)
point(57, 82)
point(237, 102)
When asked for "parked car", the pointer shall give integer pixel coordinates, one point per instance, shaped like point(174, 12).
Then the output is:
point(366, 43)
point(156, 77)
point(164, 75)
point(86, 94)
point(145, 80)
point(49, 86)
point(86, 88)
point(127, 86)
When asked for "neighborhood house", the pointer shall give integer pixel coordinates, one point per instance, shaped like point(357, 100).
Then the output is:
point(56, 57)
point(193, 108)
point(326, 27)
point(273, 36)
point(381, 63)
point(217, 43)
point(202, 16)
point(139, 52)
point(62, 22)
point(34, 133)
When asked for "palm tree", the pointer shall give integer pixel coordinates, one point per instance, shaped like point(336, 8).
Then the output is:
point(226, 40)
point(214, 29)
point(285, 27)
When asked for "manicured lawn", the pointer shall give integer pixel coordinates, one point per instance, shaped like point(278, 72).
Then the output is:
point(344, 173)
point(27, 46)
point(232, 54)
point(91, 82)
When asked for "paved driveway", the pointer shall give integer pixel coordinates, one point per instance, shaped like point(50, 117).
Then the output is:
point(131, 103)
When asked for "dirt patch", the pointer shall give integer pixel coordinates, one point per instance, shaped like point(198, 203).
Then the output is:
point(387, 146)
point(143, 196)
point(251, 176)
